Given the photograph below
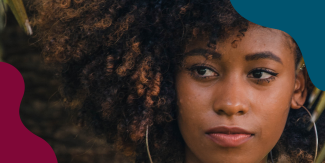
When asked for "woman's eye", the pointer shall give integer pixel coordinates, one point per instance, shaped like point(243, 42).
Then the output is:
point(261, 75)
point(203, 71)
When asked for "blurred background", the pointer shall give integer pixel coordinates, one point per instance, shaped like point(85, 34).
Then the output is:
point(41, 109)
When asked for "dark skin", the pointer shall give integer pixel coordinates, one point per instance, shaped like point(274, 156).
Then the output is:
point(247, 82)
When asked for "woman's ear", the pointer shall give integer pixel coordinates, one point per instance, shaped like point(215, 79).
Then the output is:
point(300, 91)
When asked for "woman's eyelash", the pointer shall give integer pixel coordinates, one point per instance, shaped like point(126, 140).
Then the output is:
point(259, 72)
point(194, 71)
point(265, 80)
point(204, 71)
point(264, 70)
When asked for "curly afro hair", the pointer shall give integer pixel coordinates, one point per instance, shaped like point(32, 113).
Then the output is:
point(117, 61)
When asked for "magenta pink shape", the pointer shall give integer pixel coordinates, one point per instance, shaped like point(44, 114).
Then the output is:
point(17, 143)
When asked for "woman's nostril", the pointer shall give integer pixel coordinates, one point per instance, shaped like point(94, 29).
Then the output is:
point(231, 110)
point(221, 112)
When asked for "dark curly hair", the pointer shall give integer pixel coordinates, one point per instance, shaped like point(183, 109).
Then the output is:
point(117, 61)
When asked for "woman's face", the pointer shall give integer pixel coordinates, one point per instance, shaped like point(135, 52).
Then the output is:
point(234, 99)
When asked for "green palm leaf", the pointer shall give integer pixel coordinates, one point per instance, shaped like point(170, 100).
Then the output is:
point(321, 156)
point(18, 9)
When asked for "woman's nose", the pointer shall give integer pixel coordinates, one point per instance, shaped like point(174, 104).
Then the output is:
point(232, 98)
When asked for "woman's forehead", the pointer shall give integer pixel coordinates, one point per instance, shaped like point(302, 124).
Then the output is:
point(255, 40)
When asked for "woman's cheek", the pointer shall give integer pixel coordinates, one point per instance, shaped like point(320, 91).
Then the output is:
point(193, 105)
point(271, 109)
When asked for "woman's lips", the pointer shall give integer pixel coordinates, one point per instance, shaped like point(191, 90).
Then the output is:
point(229, 136)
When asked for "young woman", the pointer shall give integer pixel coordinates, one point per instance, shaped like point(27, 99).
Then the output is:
point(194, 78)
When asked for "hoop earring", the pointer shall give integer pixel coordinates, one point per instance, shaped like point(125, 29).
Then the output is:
point(315, 128)
point(147, 144)
point(316, 135)
point(271, 156)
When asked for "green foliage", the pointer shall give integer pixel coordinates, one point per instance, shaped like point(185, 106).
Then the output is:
point(18, 9)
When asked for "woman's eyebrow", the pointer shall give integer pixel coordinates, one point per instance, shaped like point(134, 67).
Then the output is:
point(263, 55)
point(203, 52)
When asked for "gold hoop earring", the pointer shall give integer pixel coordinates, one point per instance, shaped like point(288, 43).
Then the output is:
point(315, 128)
point(301, 66)
point(147, 144)
point(316, 135)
